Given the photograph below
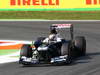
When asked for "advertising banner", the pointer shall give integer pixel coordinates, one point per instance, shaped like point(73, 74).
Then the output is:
point(48, 4)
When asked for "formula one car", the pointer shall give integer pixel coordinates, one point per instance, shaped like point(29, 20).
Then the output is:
point(56, 51)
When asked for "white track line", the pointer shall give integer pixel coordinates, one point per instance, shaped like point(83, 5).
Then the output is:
point(47, 20)
point(17, 41)
point(9, 58)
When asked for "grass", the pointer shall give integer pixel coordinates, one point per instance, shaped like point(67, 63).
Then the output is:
point(51, 15)
point(5, 52)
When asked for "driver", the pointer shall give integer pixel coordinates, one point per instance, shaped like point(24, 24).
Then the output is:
point(53, 37)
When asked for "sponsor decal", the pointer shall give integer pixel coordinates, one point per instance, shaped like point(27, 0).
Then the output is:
point(93, 2)
point(48, 4)
point(34, 2)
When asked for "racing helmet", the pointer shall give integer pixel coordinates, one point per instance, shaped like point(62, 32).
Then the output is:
point(53, 30)
point(52, 37)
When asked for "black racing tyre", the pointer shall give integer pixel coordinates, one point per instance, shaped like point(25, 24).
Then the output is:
point(26, 50)
point(80, 45)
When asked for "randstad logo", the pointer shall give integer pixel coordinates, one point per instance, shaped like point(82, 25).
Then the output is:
point(93, 2)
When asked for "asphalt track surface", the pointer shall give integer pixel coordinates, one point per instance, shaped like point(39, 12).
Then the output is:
point(87, 65)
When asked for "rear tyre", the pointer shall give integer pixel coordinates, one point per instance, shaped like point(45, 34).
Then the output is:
point(80, 45)
point(26, 51)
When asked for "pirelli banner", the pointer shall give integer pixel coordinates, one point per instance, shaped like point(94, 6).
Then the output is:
point(49, 4)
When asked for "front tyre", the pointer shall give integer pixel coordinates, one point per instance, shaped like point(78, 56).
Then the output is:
point(26, 50)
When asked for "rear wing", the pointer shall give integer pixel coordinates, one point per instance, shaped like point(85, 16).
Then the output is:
point(67, 26)
point(59, 26)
